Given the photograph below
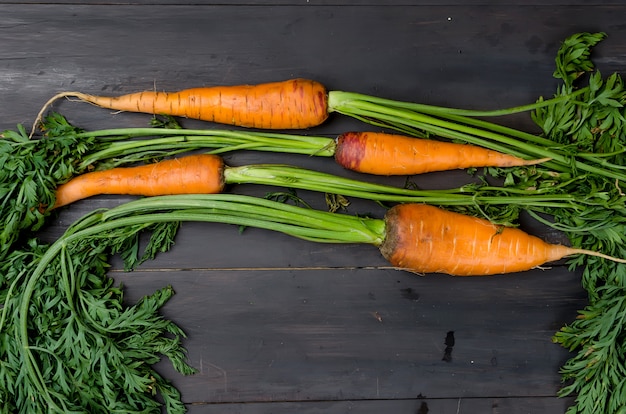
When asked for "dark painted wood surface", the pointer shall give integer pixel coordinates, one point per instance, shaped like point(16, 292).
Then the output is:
point(279, 325)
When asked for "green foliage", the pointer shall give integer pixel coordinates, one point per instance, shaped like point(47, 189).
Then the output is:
point(89, 352)
point(593, 124)
point(30, 170)
point(584, 133)
point(597, 374)
point(75, 347)
point(573, 58)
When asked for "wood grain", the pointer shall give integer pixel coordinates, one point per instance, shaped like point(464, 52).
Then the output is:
point(281, 325)
point(355, 334)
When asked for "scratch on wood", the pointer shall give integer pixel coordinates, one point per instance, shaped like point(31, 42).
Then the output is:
point(222, 372)
point(239, 269)
point(377, 388)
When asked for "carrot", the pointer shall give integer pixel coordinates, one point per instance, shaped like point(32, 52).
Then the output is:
point(291, 104)
point(390, 154)
point(368, 152)
point(207, 174)
point(419, 238)
point(426, 239)
point(186, 175)
point(302, 103)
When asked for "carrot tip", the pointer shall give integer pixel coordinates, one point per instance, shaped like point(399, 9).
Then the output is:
point(38, 120)
point(537, 161)
point(597, 254)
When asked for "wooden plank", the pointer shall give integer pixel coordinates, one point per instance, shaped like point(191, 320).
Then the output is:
point(417, 406)
point(334, 3)
point(354, 334)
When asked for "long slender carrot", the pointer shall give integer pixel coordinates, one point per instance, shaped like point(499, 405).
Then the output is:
point(426, 239)
point(207, 174)
point(291, 104)
point(303, 103)
point(391, 154)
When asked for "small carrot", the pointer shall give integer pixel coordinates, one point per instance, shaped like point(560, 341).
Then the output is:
point(291, 104)
point(425, 239)
point(186, 175)
point(390, 154)
point(207, 174)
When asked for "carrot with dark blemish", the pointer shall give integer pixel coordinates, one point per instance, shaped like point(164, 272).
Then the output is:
point(390, 154)
point(367, 152)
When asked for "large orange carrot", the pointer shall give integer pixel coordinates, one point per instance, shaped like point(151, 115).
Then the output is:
point(426, 239)
point(390, 154)
point(291, 104)
point(201, 174)
point(415, 237)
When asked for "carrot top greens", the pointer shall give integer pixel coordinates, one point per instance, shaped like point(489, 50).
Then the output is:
point(584, 134)
point(70, 344)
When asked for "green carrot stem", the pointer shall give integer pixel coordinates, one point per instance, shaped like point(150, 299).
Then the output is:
point(303, 179)
point(171, 140)
point(266, 212)
point(347, 103)
point(470, 113)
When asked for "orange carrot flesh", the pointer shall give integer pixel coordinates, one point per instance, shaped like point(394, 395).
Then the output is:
point(194, 174)
point(389, 154)
point(426, 239)
point(291, 104)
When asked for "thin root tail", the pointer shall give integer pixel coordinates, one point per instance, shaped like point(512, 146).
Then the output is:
point(537, 161)
point(79, 95)
point(598, 254)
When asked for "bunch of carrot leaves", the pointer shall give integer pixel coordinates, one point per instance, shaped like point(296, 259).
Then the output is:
point(591, 130)
point(594, 125)
point(69, 343)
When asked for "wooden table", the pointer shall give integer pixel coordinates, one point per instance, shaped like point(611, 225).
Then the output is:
point(281, 325)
